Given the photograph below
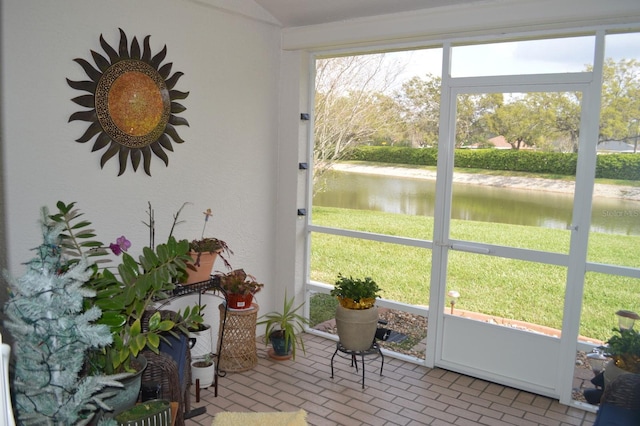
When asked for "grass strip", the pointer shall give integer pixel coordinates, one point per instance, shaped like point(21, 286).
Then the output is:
point(526, 291)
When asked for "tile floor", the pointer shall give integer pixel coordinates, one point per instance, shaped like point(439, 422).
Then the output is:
point(406, 394)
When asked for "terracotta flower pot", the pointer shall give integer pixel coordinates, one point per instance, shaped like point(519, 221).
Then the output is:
point(203, 269)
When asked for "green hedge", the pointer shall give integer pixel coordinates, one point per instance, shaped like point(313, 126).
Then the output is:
point(618, 166)
point(396, 154)
point(609, 166)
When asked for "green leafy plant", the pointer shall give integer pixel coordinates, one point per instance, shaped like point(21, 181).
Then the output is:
point(239, 282)
point(624, 348)
point(142, 411)
point(124, 297)
point(356, 293)
point(208, 245)
point(287, 324)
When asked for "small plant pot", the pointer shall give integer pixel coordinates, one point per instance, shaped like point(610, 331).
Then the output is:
point(200, 341)
point(203, 371)
point(239, 301)
point(202, 271)
point(356, 327)
point(280, 350)
point(126, 396)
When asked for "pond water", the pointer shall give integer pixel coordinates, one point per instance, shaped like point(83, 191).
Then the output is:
point(475, 202)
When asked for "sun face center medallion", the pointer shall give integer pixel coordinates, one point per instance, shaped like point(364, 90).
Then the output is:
point(132, 103)
point(135, 103)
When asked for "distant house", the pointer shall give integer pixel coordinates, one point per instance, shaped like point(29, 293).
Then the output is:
point(498, 142)
point(615, 147)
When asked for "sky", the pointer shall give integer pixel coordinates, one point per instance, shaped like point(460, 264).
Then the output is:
point(526, 57)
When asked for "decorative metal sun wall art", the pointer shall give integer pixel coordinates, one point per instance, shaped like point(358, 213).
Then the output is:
point(132, 104)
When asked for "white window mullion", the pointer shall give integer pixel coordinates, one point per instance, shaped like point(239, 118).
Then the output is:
point(442, 212)
point(581, 220)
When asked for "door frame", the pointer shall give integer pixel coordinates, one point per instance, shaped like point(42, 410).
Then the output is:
point(523, 360)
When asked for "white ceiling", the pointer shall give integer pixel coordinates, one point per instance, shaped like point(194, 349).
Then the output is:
point(296, 13)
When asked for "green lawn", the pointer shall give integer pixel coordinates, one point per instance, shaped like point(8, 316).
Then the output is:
point(508, 288)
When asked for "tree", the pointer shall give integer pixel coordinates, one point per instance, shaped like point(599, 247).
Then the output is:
point(356, 104)
point(620, 111)
point(471, 123)
point(350, 106)
point(419, 101)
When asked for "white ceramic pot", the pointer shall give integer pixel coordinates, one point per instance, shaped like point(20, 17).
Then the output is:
point(204, 374)
point(202, 341)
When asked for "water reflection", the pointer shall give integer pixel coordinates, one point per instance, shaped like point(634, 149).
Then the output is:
point(475, 202)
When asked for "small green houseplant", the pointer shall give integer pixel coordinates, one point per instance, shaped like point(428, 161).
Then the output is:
point(283, 329)
point(356, 315)
point(203, 371)
point(356, 293)
point(624, 348)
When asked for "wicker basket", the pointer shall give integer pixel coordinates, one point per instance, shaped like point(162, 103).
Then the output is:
point(238, 352)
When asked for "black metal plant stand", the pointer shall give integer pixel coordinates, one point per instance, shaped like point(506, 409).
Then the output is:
point(211, 285)
point(374, 349)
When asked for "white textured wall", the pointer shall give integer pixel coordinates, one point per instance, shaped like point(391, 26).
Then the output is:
point(228, 162)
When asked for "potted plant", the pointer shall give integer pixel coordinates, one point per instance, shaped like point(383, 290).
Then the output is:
point(624, 350)
point(204, 252)
point(356, 315)
point(203, 371)
point(283, 328)
point(239, 288)
point(124, 297)
point(200, 336)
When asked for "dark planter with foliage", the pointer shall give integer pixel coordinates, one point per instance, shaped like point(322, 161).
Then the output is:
point(624, 350)
point(283, 330)
point(126, 397)
point(280, 346)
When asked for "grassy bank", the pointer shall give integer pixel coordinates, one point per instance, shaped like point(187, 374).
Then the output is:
point(515, 289)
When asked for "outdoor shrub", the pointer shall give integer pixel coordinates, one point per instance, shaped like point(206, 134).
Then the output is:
point(609, 166)
point(618, 166)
